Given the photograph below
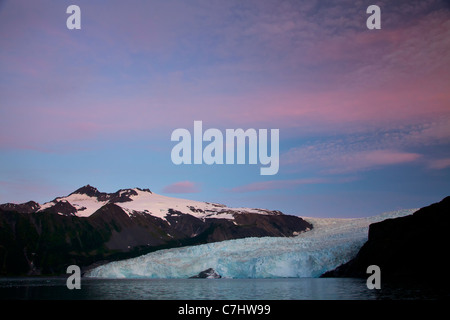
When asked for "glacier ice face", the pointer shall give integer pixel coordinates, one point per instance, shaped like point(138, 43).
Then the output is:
point(329, 244)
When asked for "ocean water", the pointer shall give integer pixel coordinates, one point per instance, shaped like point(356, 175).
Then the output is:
point(210, 289)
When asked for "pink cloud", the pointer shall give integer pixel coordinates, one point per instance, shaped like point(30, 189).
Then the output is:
point(182, 187)
point(375, 79)
point(337, 158)
point(371, 159)
point(439, 164)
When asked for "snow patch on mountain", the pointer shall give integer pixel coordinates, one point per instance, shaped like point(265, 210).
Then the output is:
point(330, 243)
point(84, 204)
point(159, 205)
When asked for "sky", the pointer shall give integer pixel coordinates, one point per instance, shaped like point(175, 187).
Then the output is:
point(363, 115)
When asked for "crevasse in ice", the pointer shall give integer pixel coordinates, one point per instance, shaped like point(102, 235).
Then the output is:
point(330, 243)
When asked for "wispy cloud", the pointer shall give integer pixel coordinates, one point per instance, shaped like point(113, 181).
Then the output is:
point(372, 149)
point(333, 158)
point(309, 65)
point(276, 184)
point(182, 187)
point(288, 184)
point(439, 164)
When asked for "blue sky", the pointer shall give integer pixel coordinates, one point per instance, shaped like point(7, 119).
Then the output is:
point(364, 115)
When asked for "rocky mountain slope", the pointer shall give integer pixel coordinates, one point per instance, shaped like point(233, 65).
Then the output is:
point(89, 226)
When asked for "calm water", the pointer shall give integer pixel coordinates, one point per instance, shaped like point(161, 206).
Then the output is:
point(202, 289)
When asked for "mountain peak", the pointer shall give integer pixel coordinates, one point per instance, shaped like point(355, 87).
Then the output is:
point(122, 195)
point(87, 190)
point(144, 190)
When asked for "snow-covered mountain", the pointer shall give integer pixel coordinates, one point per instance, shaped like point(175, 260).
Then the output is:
point(88, 225)
point(87, 200)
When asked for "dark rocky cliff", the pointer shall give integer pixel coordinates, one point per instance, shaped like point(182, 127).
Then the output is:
point(412, 247)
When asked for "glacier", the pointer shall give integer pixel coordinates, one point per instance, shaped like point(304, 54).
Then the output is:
point(331, 242)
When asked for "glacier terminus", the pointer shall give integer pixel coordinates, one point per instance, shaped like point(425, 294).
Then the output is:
point(330, 243)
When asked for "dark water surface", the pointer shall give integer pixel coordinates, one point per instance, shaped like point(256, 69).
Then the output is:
point(210, 289)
